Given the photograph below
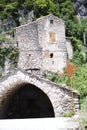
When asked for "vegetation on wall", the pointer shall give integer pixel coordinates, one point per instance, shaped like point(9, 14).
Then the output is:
point(3, 38)
point(9, 52)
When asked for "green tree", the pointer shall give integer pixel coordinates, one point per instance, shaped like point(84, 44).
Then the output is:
point(28, 4)
point(79, 55)
point(67, 10)
point(44, 7)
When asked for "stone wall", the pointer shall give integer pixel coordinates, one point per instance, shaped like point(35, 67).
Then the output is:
point(42, 44)
point(30, 51)
point(51, 33)
point(60, 96)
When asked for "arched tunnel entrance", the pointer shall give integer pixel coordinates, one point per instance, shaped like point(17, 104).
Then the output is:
point(27, 101)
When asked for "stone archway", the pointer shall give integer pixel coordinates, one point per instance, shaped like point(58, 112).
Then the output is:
point(27, 101)
point(59, 96)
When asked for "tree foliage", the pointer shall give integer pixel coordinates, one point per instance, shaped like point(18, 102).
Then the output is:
point(79, 81)
point(44, 7)
point(9, 52)
point(61, 8)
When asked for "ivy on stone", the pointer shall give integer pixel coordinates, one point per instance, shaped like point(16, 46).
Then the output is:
point(11, 53)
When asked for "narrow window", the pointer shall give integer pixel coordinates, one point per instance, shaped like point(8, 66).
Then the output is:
point(17, 43)
point(51, 55)
point(51, 21)
point(52, 37)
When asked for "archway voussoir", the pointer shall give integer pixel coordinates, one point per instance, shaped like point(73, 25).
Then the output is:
point(59, 97)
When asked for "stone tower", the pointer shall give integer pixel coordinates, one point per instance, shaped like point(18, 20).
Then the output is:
point(42, 45)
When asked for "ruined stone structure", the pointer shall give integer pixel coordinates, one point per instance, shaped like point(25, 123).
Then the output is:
point(23, 95)
point(42, 44)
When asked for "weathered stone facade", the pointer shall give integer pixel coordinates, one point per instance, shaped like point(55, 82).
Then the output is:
point(30, 51)
point(59, 96)
point(42, 47)
point(42, 44)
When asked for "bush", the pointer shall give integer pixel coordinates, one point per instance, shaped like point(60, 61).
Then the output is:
point(69, 114)
point(79, 81)
point(11, 53)
point(83, 114)
point(79, 56)
point(3, 38)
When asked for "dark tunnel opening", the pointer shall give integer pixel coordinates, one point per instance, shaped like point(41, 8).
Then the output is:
point(27, 101)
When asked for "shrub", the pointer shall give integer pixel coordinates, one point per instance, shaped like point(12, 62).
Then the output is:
point(11, 53)
point(3, 38)
point(68, 114)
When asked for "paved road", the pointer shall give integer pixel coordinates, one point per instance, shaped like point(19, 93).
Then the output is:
point(39, 124)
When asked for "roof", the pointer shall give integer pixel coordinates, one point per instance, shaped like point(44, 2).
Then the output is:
point(50, 16)
point(39, 19)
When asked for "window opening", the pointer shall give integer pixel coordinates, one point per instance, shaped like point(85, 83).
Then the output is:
point(29, 55)
point(51, 21)
point(51, 55)
point(52, 37)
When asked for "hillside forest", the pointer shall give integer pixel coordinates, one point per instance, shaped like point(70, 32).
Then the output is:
point(76, 30)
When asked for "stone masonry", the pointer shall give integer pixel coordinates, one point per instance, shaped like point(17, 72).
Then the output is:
point(42, 47)
point(60, 96)
point(42, 44)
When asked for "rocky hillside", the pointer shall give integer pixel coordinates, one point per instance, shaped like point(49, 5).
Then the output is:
point(81, 7)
